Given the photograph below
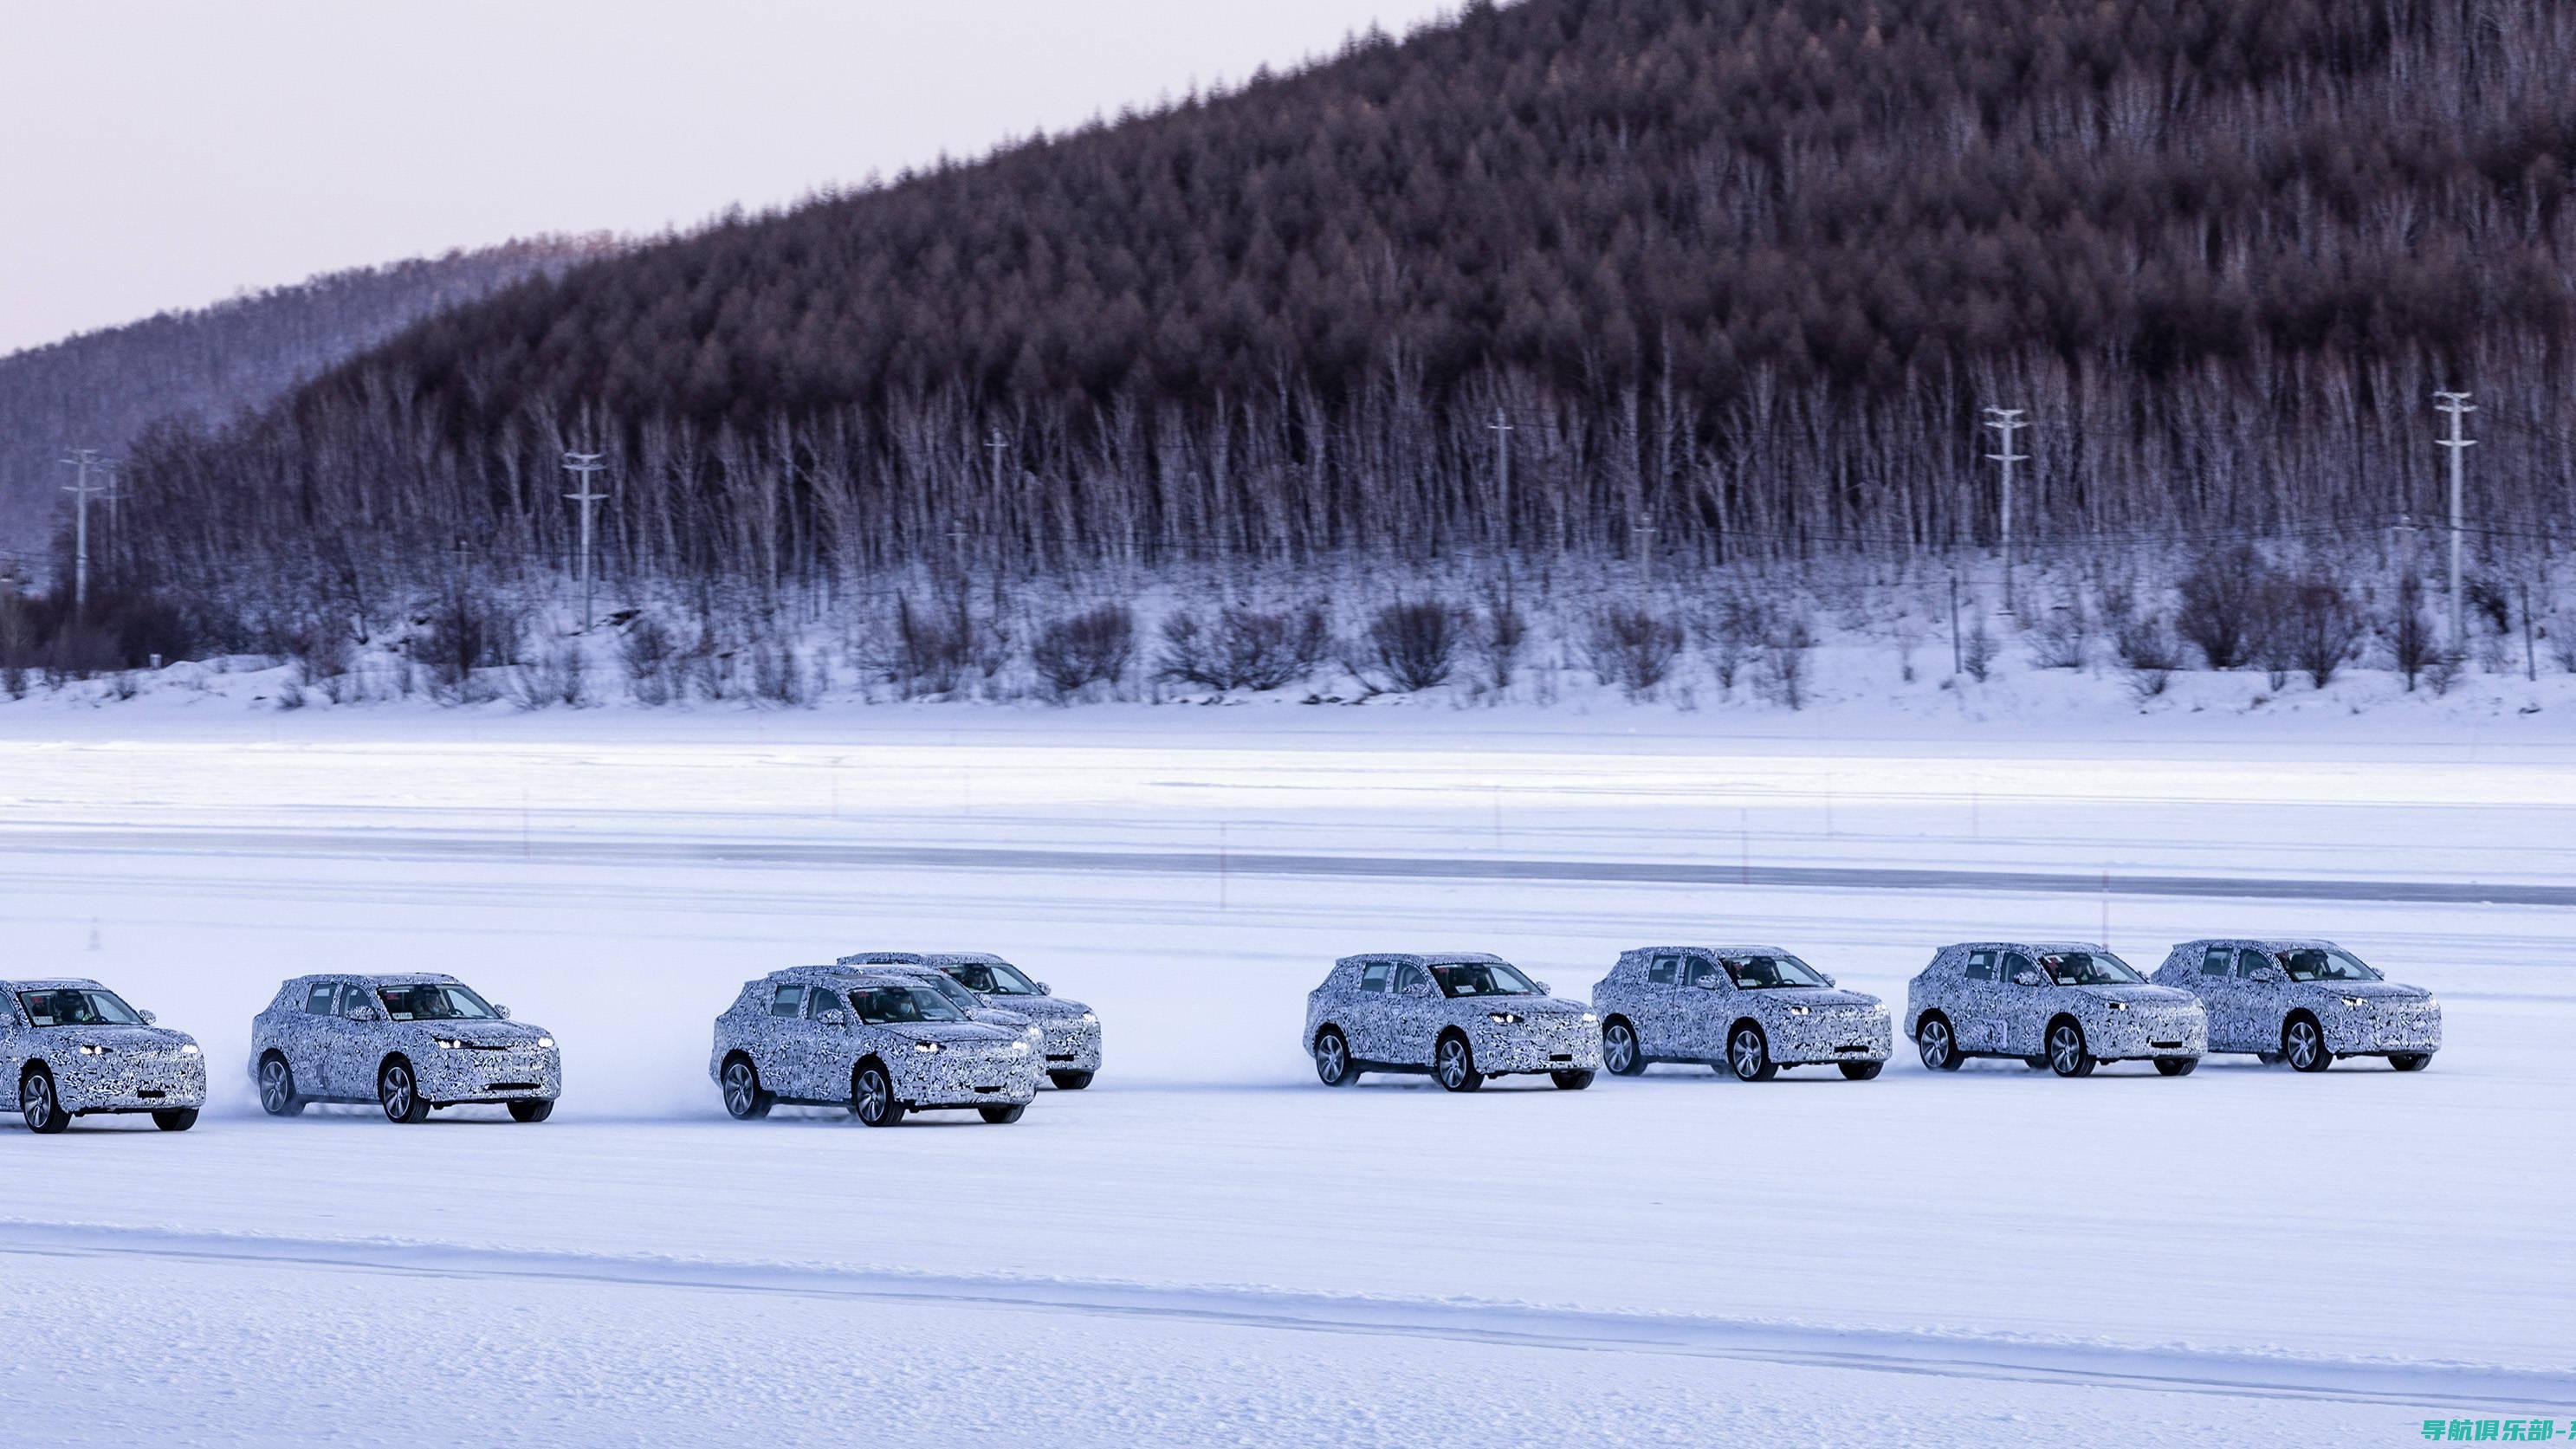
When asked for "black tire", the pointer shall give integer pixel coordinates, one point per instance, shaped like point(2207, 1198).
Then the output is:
point(2409, 1061)
point(1861, 1071)
point(1936, 1043)
point(1748, 1054)
point(1069, 1081)
point(2067, 1054)
point(175, 1119)
point(2303, 1042)
point(1620, 1051)
point(536, 1111)
point(277, 1088)
point(872, 1098)
point(743, 1098)
point(1573, 1081)
point(1333, 1058)
point(2177, 1066)
point(2270, 1059)
point(1003, 1116)
point(398, 1092)
point(2036, 1064)
point(38, 1104)
point(1453, 1065)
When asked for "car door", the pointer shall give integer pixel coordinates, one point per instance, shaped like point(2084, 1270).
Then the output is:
point(782, 1049)
point(1975, 1006)
point(1363, 1010)
point(1706, 1005)
point(2023, 998)
point(1663, 1027)
point(10, 1053)
point(312, 1045)
point(2222, 996)
point(356, 1047)
point(2260, 1008)
point(826, 1049)
point(1413, 1017)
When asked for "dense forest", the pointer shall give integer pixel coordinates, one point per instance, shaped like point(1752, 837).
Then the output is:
point(103, 389)
point(1738, 277)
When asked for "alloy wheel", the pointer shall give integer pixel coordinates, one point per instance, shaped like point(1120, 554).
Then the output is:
point(36, 1101)
point(741, 1088)
point(2066, 1050)
point(1332, 1058)
point(1619, 1048)
point(1934, 1039)
point(275, 1088)
point(2306, 1045)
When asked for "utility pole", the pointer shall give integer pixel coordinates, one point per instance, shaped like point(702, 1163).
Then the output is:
point(2458, 407)
point(582, 466)
point(81, 460)
point(2006, 422)
point(1502, 430)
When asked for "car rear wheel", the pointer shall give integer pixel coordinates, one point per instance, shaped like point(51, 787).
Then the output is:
point(1453, 1064)
point(872, 1096)
point(2410, 1061)
point(1069, 1081)
point(1939, 1048)
point(1861, 1071)
point(2304, 1043)
point(277, 1088)
point(2270, 1059)
point(2177, 1066)
point(175, 1119)
point(38, 1104)
point(1573, 1081)
point(742, 1094)
point(2067, 1055)
point(1003, 1116)
point(537, 1111)
point(1749, 1056)
point(398, 1092)
point(1333, 1059)
point(1619, 1051)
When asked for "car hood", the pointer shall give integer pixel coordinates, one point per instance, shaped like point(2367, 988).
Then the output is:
point(114, 1038)
point(2367, 990)
point(950, 1033)
point(481, 1033)
point(1040, 1008)
point(1525, 1005)
point(1810, 997)
point(2138, 995)
point(1012, 1021)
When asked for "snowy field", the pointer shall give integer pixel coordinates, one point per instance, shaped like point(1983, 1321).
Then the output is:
point(1206, 1246)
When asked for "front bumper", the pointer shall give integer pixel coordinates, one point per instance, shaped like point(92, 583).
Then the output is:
point(988, 1075)
point(477, 1074)
point(2403, 1029)
point(1072, 1045)
point(1542, 1044)
point(2142, 1035)
point(1832, 1034)
point(129, 1082)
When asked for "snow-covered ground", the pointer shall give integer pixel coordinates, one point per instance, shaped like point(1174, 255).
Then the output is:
point(1206, 1246)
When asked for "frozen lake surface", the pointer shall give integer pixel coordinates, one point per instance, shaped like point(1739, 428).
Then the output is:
point(1208, 1246)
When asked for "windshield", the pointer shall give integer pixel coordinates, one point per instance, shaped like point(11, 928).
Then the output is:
point(77, 1006)
point(949, 991)
point(881, 1005)
point(433, 1002)
point(1759, 973)
point(993, 978)
point(2089, 968)
point(1481, 978)
point(2330, 964)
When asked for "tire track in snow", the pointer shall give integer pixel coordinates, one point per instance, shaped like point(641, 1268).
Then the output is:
point(387, 845)
point(1986, 1357)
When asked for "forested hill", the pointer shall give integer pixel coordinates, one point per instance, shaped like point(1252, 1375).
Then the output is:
point(1739, 271)
point(102, 389)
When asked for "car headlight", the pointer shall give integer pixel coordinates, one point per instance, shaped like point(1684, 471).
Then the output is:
point(1019, 1048)
point(1797, 1011)
point(925, 1047)
point(1035, 1032)
point(2354, 1001)
point(1091, 1018)
point(187, 1049)
point(547, 1042)
point(1503, 1018)
point(1588, 1016)
point(92, 1051)
point(2119, 1006)
point(450, 1044)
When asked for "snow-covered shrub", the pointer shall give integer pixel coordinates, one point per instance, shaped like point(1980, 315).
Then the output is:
point(2411, 646)
point(2321, 623)
point(559, 675)
point(2149, 654)
point(1075, 652)
point(468, 630)
point(648, 653)
point(2058, 640)
point(1977, 651)
point(1412, 645)
point(1633, 648)
point(2222, 597)
point(1244, 648)
point(1730, 629)
point(1500, 635)
point(777, 674)
point(1783, 669)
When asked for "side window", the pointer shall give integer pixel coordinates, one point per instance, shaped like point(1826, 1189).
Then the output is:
point(1981, 966)
point(2015, 963)
point(2213, 962)
point(318, 1001)
point(2248, 962)
point(820, 1000)
point(353, 996)
point(1373, 976)
point(1664, 969)
point(1703, 970)
point(790, 1001)
point(1409, 977)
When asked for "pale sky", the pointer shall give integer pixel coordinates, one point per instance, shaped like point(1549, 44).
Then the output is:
point(169, 153)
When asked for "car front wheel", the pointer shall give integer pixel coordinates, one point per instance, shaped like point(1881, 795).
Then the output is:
point(398, 1092)
point(1069, 1081)
point(1573, 1081)
point(2176, 1066)
point(1861, 1071)
point(38, 1104)
point(536, 1111)
point(2410, 1061)
point(1749, 1056)
point(277, 1089)
point(175, 1119)
point(872, 1097)
point(1939, 1048)
point(1333, 1059)
point(1619, 1049)
point(1454, 1064)
point(2304, 1043)
point(2067, 1055)
point(1003, 1116)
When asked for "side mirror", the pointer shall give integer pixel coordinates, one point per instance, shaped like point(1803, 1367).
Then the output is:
point(1043, 988)
point(1829, 981)
point(2025, 978)
point(1542, 987)
point(502, 1012)
point(148, 1017)
point(834, 1018)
